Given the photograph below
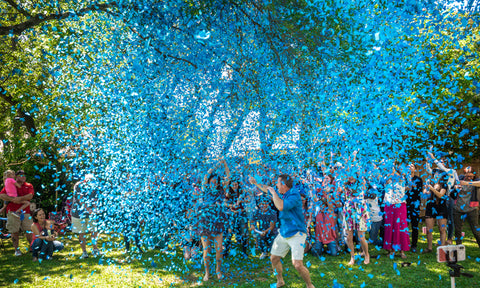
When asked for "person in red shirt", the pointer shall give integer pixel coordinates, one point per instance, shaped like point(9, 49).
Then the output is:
point(14, 223)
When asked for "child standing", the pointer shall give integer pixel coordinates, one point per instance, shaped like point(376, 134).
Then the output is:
point(11, 188)
point(264, 225)
point(377, 218)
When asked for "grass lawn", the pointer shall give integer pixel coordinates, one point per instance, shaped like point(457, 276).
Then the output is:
point(160, 269)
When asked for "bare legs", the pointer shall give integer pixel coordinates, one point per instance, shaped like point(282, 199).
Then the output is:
point(351, 249)
point(83, 242)
point(442, 223)
point(278, 269)
point(298, 264)
point(363, 244)
point(442, 226)
point(303, 271)
point(206, 243)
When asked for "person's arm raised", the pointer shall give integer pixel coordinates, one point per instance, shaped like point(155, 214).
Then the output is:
point(428, 167)
point(471, 183)
point(439, 194)
point(276, 200)
point(262, 187)
point(226, 184)
point(438, 163)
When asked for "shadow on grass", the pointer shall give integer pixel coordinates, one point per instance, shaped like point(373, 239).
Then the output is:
point(159, 269)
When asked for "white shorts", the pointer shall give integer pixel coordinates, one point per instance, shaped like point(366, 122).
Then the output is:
point(81, 225)
point(281, 246)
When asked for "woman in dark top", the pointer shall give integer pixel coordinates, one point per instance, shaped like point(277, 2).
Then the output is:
point(436, 209)
point(413, 204)
point(237, 217)
point(211, 219)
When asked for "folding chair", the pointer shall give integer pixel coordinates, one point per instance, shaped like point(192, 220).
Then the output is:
point(61, 222)
point(2, 235)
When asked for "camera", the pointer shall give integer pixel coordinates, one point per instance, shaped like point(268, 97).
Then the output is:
point(451, 253)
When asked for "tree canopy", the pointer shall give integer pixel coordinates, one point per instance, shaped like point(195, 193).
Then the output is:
point(147, 86)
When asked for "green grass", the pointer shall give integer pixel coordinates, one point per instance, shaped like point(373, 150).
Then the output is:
point(158, 269)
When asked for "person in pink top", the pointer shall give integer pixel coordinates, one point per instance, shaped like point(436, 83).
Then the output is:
point(11, 190)
point(44, 240)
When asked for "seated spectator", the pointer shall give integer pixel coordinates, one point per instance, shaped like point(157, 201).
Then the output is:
point(43, 242)
point(264, 225)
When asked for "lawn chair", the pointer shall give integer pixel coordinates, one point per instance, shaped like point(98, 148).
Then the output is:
point(61, 222)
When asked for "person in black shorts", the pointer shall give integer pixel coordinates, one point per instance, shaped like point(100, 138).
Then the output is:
point(437, 209)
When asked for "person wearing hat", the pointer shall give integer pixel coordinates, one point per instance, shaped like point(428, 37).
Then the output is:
point(14, 224)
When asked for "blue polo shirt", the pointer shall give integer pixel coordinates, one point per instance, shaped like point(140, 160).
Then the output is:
point(291, 218)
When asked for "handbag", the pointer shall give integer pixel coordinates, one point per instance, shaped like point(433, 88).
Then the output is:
point(474, 199)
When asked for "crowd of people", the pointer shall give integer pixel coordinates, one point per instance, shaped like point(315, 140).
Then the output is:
point(337, 205)
point(325, 210)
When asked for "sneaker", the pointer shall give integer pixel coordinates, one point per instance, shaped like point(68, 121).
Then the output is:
point(18, 253)
point(96, 252)
point(263, 256)
point(5, 236)
point(84, 255)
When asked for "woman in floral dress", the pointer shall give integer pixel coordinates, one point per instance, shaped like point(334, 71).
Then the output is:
point(356, 217)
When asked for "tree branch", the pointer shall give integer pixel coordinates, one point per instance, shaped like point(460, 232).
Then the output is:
point(18, 163)
point(27, 120)
point(160, 52)
point(277, 55)
point(35, 20)
point(18, 8)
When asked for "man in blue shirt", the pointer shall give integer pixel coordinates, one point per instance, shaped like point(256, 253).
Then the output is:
point(293, 231)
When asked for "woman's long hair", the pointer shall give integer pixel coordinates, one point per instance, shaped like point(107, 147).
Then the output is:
point(35, 213)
